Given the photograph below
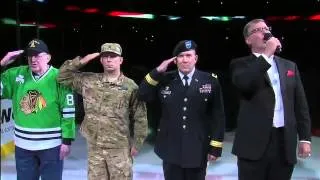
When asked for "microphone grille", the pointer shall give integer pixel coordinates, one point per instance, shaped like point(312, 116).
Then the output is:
point(267, 36)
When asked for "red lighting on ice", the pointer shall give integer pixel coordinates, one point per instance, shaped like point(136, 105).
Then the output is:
point(72, 8)
point(91, 10)
point(291, 18)
point(315, 17)
point(48, 25)
point(122, 13)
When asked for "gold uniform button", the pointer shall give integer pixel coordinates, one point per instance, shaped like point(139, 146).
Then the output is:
point(184, 108)
point(185, 99)
point(184, 117)
point(184, 126)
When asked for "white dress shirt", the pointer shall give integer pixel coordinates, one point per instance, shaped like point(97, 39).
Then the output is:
point(273, 73)
point(189, 76)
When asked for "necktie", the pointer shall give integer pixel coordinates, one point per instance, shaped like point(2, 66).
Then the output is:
point(185, 78)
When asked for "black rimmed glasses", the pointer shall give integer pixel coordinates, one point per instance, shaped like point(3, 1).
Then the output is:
point(260, 29)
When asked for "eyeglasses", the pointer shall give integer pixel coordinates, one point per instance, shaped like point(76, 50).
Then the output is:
point(260, 29)
point(38, 56)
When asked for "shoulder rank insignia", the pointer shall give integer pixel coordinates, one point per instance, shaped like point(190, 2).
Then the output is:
point(214, 75)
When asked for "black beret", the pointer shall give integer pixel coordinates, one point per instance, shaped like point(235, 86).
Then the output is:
point(36, 46)
point(184, 45)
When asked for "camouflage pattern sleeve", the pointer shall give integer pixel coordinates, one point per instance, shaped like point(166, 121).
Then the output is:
point(138, 118)
point(70, 76)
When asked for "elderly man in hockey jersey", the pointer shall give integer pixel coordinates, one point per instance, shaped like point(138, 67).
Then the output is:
point(115, 123)
point(43, 112)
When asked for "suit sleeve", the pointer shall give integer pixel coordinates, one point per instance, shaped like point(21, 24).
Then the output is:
point(248, 73)
point(148, 87)
point(138, 118)
point(67, 108)
point(301, 110)
point(218, 121)
point(70, 75)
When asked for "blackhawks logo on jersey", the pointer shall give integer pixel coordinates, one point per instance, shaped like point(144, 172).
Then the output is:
point(32, 102)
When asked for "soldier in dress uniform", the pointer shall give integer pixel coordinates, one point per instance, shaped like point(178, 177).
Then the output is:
point(115, 123)
point(192, 123)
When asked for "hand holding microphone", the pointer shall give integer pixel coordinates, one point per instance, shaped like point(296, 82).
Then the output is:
point(273, 44)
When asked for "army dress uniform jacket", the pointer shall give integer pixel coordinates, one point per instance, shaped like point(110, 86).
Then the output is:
point(114, 118)
point(192, 121)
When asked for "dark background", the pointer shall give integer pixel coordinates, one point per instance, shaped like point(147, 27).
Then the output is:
point(147, 42)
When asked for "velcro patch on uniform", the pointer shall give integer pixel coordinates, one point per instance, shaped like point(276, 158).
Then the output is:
point(123, 88)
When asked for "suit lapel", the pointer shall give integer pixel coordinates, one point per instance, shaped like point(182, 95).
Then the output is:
point(266, 76)
point(282, 74)
point(177, 83)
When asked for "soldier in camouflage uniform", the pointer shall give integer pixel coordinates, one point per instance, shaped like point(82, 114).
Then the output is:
point(115, 122)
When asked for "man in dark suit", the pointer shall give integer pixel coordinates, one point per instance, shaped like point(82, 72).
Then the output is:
point(273, 109)
point(191, 127)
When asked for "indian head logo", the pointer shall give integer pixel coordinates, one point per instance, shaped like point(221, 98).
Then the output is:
point(32, 102)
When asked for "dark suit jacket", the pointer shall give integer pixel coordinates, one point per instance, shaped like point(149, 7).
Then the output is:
point(257, 101)
point(190, 119)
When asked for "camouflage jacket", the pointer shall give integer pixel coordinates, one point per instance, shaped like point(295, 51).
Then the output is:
point(114, 118)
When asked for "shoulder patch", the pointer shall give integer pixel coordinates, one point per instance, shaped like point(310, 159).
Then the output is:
point(214, 75)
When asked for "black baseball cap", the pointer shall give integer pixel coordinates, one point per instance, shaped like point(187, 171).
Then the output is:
point(36, 46)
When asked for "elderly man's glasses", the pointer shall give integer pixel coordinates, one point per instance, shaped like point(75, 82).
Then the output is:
point(260, 29)
point(37, 56)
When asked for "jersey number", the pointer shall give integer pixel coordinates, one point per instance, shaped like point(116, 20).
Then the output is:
point(70, 100)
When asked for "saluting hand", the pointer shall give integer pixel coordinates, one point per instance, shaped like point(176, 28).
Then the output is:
point(164, 65)
point(89, 57)
point(10, 57)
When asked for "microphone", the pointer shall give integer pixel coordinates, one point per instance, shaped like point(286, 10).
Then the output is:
point(267, 36)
